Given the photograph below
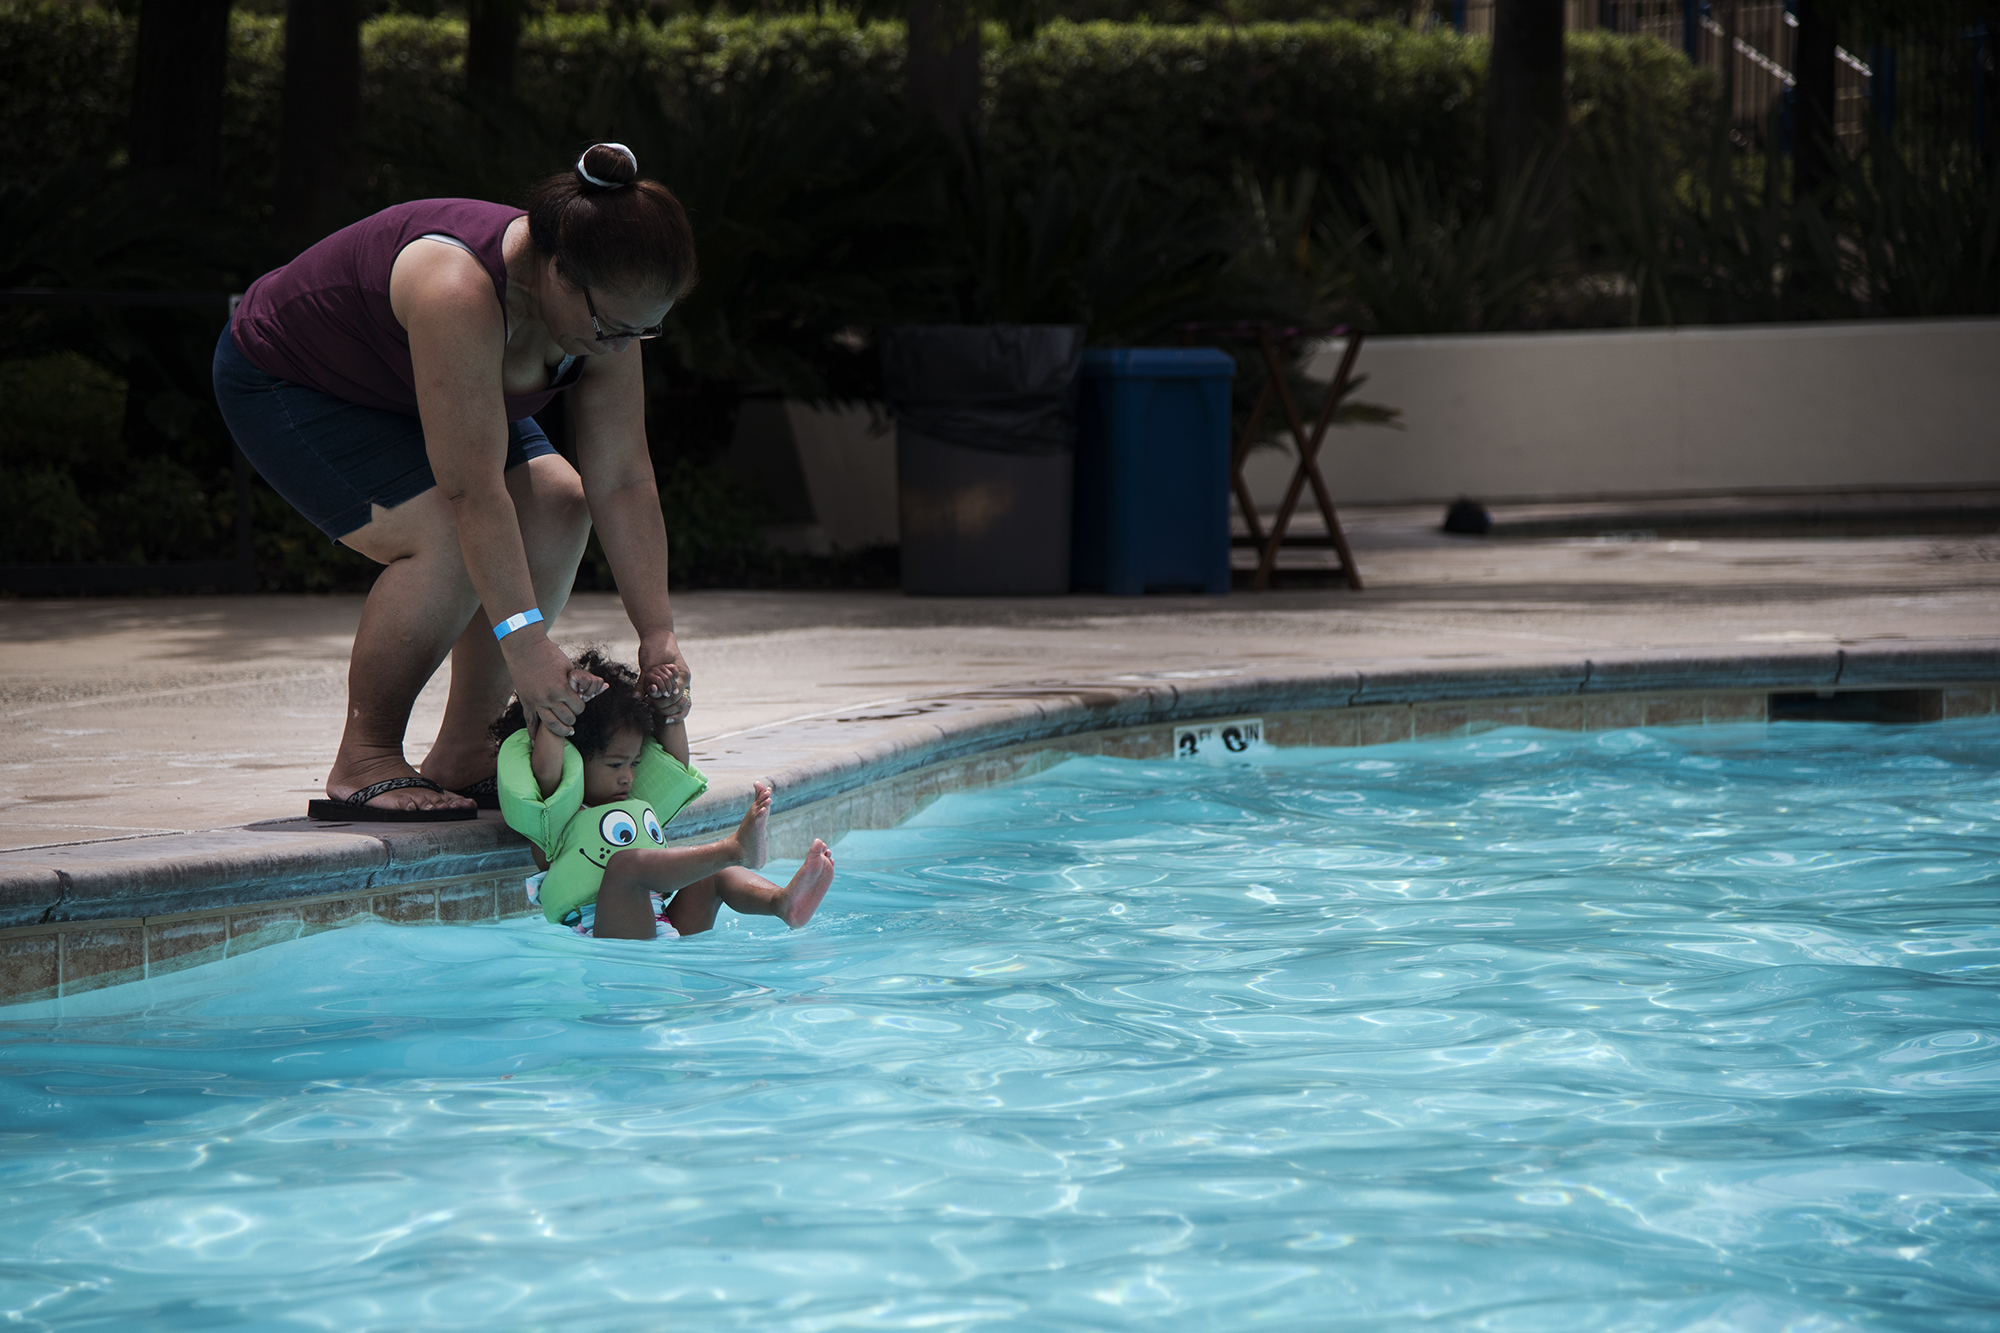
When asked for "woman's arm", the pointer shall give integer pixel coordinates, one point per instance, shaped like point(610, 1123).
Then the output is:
point(445, 300)
point(609, 411)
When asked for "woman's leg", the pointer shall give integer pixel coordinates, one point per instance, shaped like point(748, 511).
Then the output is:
point(338, 464)
point(555, 527)
point(422, 603)
point(416, 610)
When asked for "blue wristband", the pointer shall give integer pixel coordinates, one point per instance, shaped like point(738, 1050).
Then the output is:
point(511, 623)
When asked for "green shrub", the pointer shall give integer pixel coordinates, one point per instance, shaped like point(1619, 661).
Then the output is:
point(1201, 103)
point(1423, 261)
point(1188, 103)
point(1924, 237)
point(1116, 164)
point(65, 88)
point(60, 409)
point(49, 523)
point(76, 493)
point(294, 556)
point(161, 511)
point(1636, 104)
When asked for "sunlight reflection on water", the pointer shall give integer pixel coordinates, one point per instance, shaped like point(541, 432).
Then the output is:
point(1641, 1030)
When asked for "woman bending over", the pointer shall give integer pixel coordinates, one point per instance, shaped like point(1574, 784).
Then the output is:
point(385, 383)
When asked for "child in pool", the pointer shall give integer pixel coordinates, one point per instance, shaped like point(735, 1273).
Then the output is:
point(594, 806)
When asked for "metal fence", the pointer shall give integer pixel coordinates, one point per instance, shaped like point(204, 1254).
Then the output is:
point(1924, 92)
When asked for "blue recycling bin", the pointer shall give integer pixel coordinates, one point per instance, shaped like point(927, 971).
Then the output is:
point(1151, 489)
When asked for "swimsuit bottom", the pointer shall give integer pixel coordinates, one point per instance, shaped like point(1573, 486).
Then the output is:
point(333, 460)
point(582, 919)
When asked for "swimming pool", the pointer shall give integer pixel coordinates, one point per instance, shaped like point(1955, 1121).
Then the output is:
point(1679, 1029)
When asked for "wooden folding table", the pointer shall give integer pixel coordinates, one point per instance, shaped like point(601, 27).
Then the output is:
point(1276, 343)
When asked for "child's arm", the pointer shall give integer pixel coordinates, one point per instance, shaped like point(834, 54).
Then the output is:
point(668, 787)
point(532, 806)
point(666, 690)
point(546, 758)
point(673, 738)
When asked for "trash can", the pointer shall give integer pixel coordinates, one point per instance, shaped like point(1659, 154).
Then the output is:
point(1152, 470)
point(985, 440)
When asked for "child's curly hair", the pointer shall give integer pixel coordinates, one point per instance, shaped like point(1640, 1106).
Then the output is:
point(619, 708)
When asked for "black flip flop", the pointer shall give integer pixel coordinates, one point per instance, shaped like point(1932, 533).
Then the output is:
point(355, 809)
point(486, 792)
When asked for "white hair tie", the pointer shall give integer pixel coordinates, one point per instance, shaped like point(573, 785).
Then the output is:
point(584, 171)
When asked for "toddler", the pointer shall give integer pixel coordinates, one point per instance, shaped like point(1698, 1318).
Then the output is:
point(595, 807)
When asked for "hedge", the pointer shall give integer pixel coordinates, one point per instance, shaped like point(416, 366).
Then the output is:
point(1183, 102)
point(789, 138)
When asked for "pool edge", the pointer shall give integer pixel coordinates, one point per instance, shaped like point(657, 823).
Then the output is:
point(88, 915)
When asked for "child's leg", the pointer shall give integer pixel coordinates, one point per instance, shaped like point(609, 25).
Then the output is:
point(624, 907)
point(693, 908)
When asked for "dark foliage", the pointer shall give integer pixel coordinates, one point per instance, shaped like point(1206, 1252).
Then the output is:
point(1132, 177)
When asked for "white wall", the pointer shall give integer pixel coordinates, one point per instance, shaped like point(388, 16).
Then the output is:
point(1520, 416)
point(849, 458)
point(845, 460)
point(1913, 403)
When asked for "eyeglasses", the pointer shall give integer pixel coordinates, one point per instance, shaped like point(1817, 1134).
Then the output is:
point(605, 335)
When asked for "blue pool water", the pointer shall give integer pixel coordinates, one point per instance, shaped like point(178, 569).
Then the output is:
point(1668, 1030)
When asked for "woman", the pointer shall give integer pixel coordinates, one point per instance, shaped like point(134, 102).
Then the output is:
point(384, 382)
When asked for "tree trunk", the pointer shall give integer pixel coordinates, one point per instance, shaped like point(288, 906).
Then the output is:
point(1727, 50)
point(1813, 65)
point(320, 107)
point(492, 38)
point(176, 131)
point(1527, 119)
point(941, 72)
point(183, 49)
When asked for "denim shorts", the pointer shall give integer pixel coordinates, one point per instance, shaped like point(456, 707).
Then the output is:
point(330, 458)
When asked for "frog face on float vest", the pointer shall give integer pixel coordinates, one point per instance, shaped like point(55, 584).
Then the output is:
point(619, 826)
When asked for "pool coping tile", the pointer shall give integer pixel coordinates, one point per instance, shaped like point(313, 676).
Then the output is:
point(30, 965)
point(103, 953)
point(1429, 680)
point(1802, 667)
point(1970, 701)
point(184, 941)
point(1888, 663)
point(470, 901)
point(28, 893)
point(191, 897)
point(263, 926)
point(406, 906)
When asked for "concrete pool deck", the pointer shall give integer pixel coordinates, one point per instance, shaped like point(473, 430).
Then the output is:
point(156, 753)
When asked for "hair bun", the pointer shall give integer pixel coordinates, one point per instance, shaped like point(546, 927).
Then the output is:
point(608, 166)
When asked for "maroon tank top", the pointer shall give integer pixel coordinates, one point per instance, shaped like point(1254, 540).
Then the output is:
point(324, 321)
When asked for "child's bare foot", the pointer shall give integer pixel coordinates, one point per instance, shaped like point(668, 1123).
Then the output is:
point(802, 896)
point(750, 834)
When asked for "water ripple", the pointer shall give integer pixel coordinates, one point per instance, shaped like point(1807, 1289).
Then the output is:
point(1672, 1030)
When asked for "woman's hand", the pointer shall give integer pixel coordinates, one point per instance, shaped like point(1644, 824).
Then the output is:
point(667, 688)
point(553, 689)
point(665, 681)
